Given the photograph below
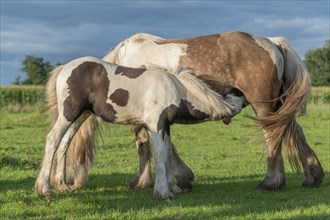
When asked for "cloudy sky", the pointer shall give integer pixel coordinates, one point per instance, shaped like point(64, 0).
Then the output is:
point(59, 30)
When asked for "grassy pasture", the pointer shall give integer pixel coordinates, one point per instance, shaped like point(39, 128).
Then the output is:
point(228, 162)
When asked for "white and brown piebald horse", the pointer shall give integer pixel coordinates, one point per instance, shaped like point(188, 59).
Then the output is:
point(267, 71)
point(137, 96)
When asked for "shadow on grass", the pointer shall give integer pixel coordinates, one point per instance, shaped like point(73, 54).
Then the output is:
point(16, 163)
point(231, 197)
point(11, 185)
point(224, 197)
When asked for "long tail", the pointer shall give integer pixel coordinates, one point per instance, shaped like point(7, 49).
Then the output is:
point(81, 151)
point(293, 99)
point(51, 94)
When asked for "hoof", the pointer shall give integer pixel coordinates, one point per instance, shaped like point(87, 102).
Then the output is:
point(226, 120)
point(69, 186)
point(75, 183)
point(167, 196)
point(133, 184)
point(317, 175)
point(185, 187)
point(46, 193)
point(138, 183)
point(268, 186)
point(175, 189)
point(311, 184)
point(184, 180)
point(61, 185)
point(64, 187)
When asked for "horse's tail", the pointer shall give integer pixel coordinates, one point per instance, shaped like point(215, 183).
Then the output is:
point(81, 151)
point(292, 100)
point(51, 94)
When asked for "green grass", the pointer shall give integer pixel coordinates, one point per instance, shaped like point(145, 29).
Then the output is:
point(228, 162)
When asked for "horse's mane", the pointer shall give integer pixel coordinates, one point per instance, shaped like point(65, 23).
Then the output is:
point(112, 56)
point(140, 37)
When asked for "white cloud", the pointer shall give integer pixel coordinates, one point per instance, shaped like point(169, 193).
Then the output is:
point(63, 30)
point(308, 25)
point(27, 37)
point(303, 33)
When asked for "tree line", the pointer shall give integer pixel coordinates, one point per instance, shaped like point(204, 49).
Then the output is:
point(317, 62)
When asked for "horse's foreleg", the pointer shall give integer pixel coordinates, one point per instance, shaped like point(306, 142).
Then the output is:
point(171, 171)
point(54, 137)
point(144, 177)
point(183, 174)
point(161, 145)
point(60, 176)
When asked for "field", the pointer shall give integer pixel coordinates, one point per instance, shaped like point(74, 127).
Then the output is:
point(228, 162)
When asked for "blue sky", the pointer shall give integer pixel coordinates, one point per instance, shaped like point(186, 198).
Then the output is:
point(60, 30)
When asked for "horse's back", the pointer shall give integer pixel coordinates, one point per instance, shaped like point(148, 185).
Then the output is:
point(224, 61)
point(235, 59)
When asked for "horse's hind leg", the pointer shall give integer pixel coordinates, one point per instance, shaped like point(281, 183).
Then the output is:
point(144, 177)
point(313, 170)
point(60, 176)
point(54, 137)
point(80, 155)
point(275, 176)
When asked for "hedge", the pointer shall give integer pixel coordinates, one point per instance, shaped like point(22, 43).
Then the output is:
point(22, 97)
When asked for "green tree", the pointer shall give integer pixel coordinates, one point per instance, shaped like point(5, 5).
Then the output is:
point(37, 70)
point(318, 64)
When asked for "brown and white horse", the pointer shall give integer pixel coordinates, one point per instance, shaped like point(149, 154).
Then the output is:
point(137, 96)
point(267, 71)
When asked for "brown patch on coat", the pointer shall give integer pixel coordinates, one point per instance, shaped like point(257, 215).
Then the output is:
point(120, 97)
point(88, 89)
point(184, 113)
point(231, 60)
point(129, 72)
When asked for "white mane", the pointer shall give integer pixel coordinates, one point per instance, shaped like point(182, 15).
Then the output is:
point(205, 98)
point(113, 55)
point(143, 37)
